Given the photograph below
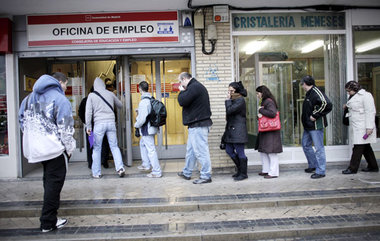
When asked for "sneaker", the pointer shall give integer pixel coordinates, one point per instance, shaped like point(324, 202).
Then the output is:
point(61, 222)
point(154, 175)
point(96, 176)
point(201, 181)
point(183, 176)
point(121, 172)
point(143, 168)
point(316, 176)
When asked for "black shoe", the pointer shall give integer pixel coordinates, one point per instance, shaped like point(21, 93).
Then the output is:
point(241, 177)
point(348, 171)
point(370, 169)
point(310, 170)
point(315, 176)
point(201, 181)
point(183, 176)
point(263, 174)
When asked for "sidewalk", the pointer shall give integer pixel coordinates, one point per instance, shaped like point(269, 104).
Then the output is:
point(135, 208)
point(79, 185)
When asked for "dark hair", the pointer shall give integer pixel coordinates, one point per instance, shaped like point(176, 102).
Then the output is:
point(266, 94)
point(239, 88)
point(144, 86)
point(308, 80)
point(59, 76)
point(352, 85)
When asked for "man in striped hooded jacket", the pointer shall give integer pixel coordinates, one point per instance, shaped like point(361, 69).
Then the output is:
point(314, 110)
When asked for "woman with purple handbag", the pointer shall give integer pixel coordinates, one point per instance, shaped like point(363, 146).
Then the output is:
point(268, 142)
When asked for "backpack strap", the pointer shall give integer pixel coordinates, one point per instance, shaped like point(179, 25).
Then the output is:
point(97, 93)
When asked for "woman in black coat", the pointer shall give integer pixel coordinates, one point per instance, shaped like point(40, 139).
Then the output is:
point(236, 134)
point(268, 143)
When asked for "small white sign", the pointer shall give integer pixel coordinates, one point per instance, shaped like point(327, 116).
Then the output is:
point(221, 14)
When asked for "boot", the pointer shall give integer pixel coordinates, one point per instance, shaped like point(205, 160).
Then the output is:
point(243, 169)
point(237, 166)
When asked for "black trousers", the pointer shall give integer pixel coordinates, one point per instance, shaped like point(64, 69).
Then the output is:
point(357, 152)
point(53, 180)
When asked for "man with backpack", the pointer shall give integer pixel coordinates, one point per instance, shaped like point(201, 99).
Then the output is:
point(147, 131)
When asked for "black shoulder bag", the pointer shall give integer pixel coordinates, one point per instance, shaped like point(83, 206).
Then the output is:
point(95, 92)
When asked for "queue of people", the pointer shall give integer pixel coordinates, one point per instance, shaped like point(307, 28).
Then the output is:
point(47, 124)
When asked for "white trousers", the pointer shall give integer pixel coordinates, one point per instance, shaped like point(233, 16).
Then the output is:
point(270, 163)
point(149, 154)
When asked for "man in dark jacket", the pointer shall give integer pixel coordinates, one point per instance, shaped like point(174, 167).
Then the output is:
point(196, 113)
point(314, 110)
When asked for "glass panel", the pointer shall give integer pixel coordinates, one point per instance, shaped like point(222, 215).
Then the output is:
point(177, 133)
point(369, 79)
point(284, 60)
point(74, 93)
point(335, 53)
point(278, 78)
point(367, 40)
point(140, 70)
point(3, 109)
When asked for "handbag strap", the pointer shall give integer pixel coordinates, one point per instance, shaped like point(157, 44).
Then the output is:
point(95, 92)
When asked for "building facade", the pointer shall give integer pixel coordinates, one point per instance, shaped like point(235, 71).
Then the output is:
point(217, 45)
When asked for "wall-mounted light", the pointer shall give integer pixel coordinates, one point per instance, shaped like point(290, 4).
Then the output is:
point(254, 46)
point(312, 46)
point(368, 46)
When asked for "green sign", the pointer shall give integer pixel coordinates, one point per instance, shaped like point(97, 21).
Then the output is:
point(287, 21)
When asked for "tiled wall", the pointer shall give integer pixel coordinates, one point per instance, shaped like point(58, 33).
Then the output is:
point(220, 63)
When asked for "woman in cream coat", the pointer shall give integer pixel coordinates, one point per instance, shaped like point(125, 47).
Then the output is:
point(361, 114)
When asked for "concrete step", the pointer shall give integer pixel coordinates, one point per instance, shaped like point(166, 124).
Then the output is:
point(249, 229)
point(217, 217)
point(194, 203)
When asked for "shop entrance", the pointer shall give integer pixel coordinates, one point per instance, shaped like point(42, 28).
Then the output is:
point(81, 73)
point(162, 75)
point(124, 73)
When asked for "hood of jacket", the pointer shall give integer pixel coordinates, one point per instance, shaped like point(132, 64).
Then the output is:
point(45, 83)
point(99, 84)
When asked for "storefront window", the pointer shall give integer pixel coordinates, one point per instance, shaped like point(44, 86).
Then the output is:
point(279, 62)
point(3, 109)
point(367, 54)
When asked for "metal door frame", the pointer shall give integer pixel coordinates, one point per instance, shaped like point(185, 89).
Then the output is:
point(163, 151)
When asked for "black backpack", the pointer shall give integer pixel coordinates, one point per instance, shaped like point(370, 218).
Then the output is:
point(157, 116)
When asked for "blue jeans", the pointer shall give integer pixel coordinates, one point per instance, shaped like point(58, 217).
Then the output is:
point(316, 159)
point(197, 149)
point(110, 130)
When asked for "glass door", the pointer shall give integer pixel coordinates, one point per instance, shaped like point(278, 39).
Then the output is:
point(277, 76)
point(75, 93)
point(162, 75)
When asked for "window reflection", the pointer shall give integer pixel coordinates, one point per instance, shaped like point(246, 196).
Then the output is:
point(280, 62)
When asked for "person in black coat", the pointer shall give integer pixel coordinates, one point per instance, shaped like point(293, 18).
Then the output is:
point(268, 143)
point(235, 134)
point(196, 114)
